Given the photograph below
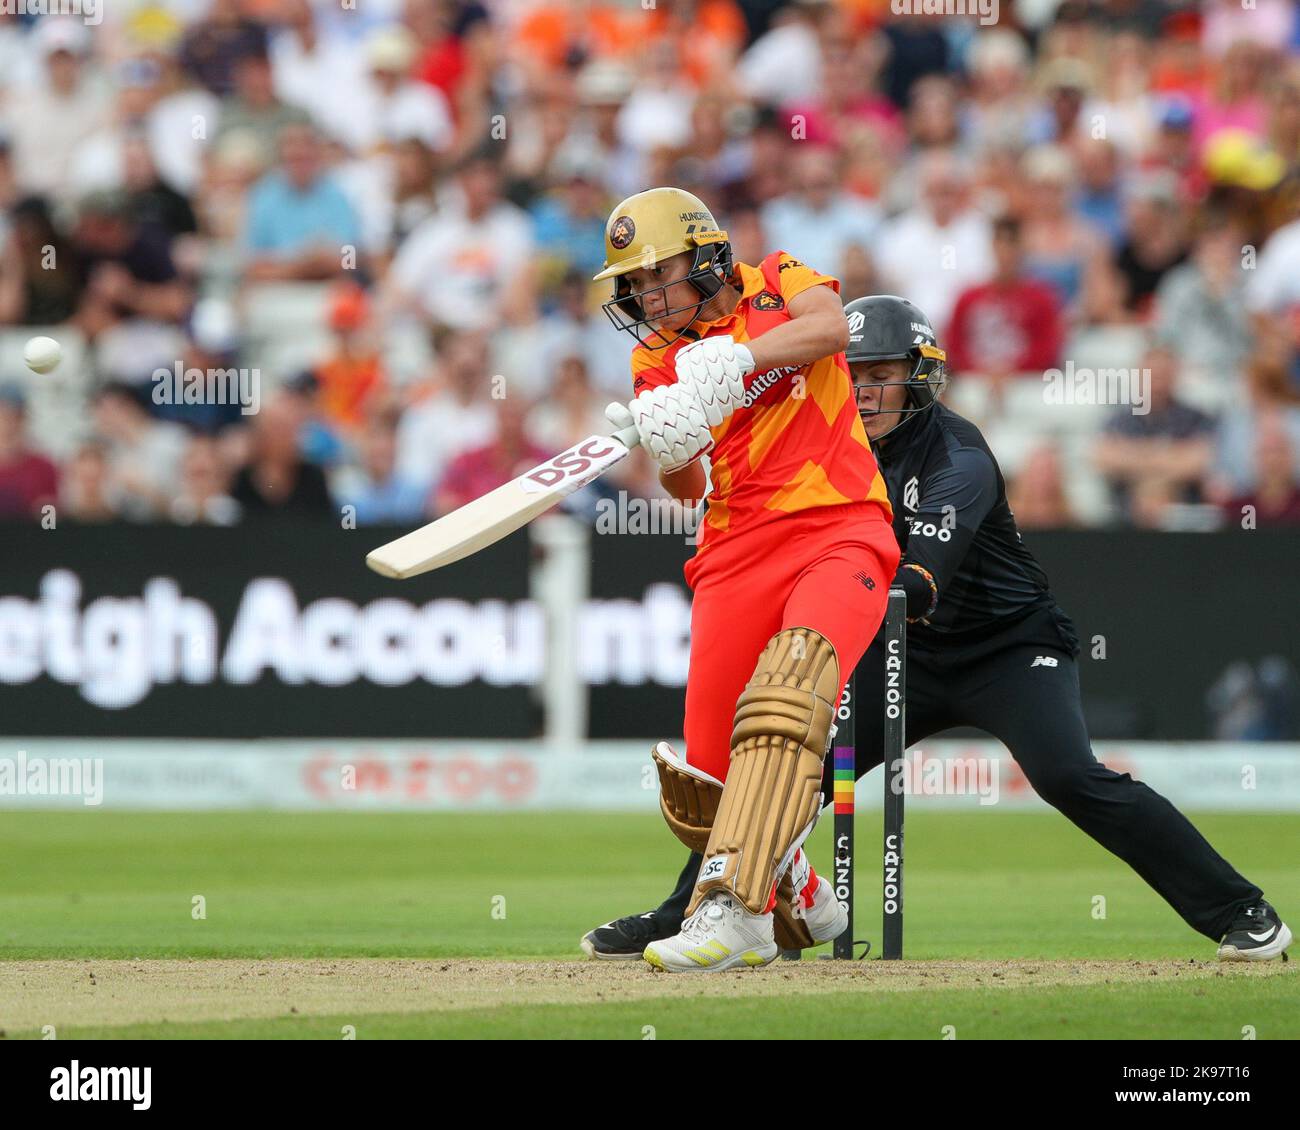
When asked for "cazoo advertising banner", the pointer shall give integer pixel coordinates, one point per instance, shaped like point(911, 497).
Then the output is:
point(277, 629)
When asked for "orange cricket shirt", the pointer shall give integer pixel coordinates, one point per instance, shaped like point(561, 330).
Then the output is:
point(780, 453)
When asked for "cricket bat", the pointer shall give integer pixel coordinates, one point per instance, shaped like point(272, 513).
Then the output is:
point(486, 520)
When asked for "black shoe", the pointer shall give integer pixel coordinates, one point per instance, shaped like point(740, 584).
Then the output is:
point(626, 938)
point(1256, 934)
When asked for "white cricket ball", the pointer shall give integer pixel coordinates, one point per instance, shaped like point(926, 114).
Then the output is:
point(42, 354)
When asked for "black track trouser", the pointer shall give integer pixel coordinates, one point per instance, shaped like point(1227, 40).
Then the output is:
point(1034, 708)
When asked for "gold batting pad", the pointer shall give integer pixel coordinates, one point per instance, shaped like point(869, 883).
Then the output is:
point(773, 789)
point(688, 797)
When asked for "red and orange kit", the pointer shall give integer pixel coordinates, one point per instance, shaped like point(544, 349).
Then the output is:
point(797, 529)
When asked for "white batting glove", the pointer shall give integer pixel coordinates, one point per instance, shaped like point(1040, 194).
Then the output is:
point(671, 423)
point(619, 414)
point(715, 369)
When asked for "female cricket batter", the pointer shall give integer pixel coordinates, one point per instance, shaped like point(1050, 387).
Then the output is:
point(790, 578)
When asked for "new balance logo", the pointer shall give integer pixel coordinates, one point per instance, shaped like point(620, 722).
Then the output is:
point(863, 579)
point(1043, 661)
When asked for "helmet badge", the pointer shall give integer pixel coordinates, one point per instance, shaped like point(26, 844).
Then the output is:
point(621, 232)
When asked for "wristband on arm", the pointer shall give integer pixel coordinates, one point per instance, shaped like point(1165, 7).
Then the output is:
point(922, 592)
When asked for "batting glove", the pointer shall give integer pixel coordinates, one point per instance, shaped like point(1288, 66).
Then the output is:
point(715, 369)
point(671, 423)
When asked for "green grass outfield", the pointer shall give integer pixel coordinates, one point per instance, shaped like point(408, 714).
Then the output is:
point(1026, 888)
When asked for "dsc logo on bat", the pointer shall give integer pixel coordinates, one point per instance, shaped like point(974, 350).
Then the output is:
point(571, 464)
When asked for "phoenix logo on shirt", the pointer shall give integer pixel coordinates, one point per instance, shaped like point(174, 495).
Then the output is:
point(768, 301)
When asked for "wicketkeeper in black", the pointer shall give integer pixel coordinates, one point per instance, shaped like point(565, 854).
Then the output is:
point(988, 647)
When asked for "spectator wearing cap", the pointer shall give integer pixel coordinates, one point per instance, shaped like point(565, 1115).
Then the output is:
point(351, 376)
point(374, 486)
point(28, 480)
point(1172, 148)
point(942, 245)
point(320, 441)
point(470, 265)
point(817, 221)
point(1066, 84)
point(602, 86)
point(1242, 172)
point(299, 220)
point(388, 105)
point(1010, 324)
point(48, 122)
point(1159, 458)
point(1200, 308)
point(128, 268)
point(1274, 499)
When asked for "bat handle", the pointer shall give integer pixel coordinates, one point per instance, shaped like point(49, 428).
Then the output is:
point(629, 437)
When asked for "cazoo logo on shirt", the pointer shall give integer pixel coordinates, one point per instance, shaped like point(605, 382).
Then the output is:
point(928, 530)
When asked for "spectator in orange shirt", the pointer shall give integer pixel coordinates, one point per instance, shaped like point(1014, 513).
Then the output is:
point(352, 374)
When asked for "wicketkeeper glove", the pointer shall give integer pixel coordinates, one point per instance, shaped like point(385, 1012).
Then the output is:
point(715, 369)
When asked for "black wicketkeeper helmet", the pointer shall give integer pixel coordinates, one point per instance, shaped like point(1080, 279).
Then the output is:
point(884, 327)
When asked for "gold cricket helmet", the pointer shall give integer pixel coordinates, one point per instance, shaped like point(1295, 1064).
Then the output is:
point(648, 228)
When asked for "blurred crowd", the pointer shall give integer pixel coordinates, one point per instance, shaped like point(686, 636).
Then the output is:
point(388, 212)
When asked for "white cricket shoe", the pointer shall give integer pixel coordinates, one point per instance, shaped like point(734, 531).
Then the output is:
point(720, 935)
point(826, 918)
